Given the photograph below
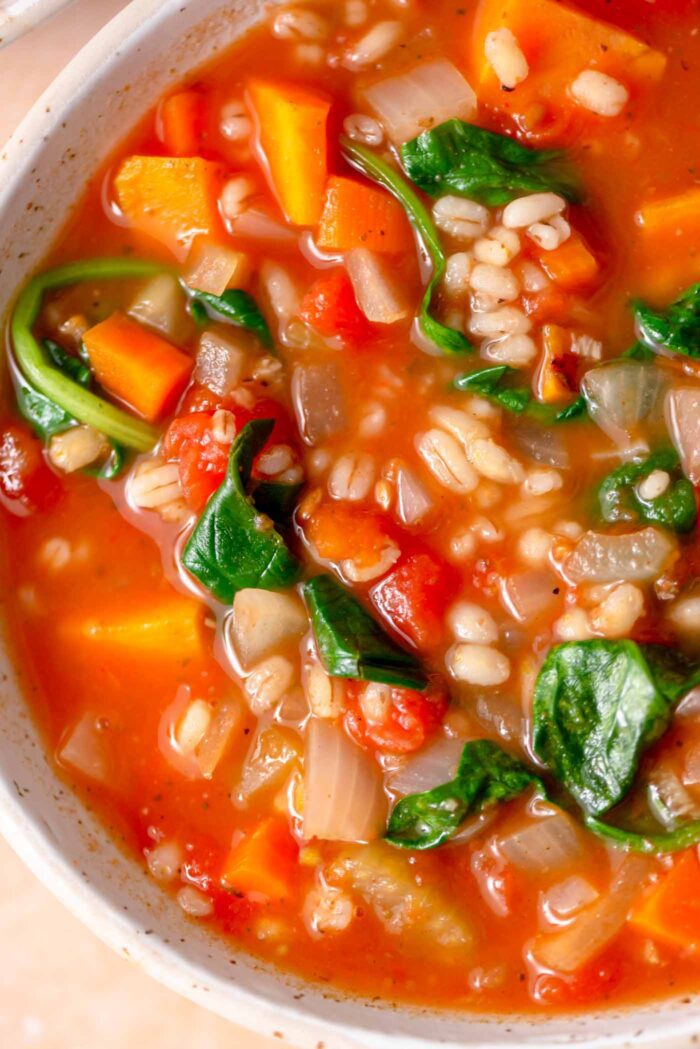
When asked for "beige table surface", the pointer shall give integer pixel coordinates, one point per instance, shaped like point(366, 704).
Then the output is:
point(60, 988)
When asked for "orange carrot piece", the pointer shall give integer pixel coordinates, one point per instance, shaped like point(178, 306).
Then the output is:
point(338, 532)
point(551, 383)
point(292, 128)
point(148, 627)
point(671, 911)
point(263, 862)
point(181, 123)
point(137, 366)
point(572, 266)
point(172, 199)
point(668, 230)
point(356, 215)
point(674, 216)
point(558, 43)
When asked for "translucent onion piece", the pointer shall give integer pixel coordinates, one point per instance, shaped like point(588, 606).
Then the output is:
point(621, 395)
point(226, 719)
point(85, 750)
point(548, 844)
point(640, 556)
point(412, 500)
point(433, 765)
point(281, 291)
point(384, 878)
point(689, 706)
point(343, 795)
point(669, 800)
point(501, 716)
point(269, 761)
point(420, 99)
point(544, 445)
point(691, 767)
point(253, 224)
point(529, 595)
point(375, 290)
point(263, 621)
point(682, 410)
point(588, 934)
point(160, 305)
point(318, 401)
point(566, 898)
point(219, 363)
point(213, 267)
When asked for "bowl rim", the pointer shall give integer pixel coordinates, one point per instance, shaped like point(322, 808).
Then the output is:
point(28, 837)
point(22, 15)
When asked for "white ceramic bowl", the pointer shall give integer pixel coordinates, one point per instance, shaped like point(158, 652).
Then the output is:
point(18, 16)
point(88, 109)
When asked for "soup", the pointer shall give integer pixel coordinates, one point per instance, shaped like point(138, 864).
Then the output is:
point(349, 489)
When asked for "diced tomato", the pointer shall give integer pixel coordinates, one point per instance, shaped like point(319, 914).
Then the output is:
point(594, 982)
point(414, 595)
point(26, 481)
point(399, 726)
point(203, 457)
point(202, 399)
point(339, 531)
point(551, 304)
point(331, 308)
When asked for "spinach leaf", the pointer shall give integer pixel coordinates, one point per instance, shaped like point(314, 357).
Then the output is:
point(75, 367)
point(456, 157)
point(277, 500)
point(489, 383)
point(485, 775)
point(597, 706)
point(449, 340)
point(350, 642)
point(234, 546)
point(233, 307)
point(678, 328)
point(45, 379)
point(45, 417)
point(656, 844)
point(675, 508)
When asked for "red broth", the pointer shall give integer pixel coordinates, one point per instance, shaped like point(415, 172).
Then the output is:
point(462, 526)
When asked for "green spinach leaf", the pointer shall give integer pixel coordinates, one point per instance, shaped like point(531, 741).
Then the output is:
point(351, 643)
point(234, 307)
point(278, 501)
point(656, 844)
point(460, 158)
point(597, 706)
point(675, 508)
point(233, 545)
point(678, 328)
point(492, 383)
point(449, 340)
point(485, 775)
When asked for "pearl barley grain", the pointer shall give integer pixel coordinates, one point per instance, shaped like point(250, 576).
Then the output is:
point(470, 622)
point(504, 55)
point(599, 93)
point(478, 665)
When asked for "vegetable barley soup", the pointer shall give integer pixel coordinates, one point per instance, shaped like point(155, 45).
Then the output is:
point(350, 485)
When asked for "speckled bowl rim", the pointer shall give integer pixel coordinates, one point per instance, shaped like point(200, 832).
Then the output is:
point(19, 16)
point(61, 843)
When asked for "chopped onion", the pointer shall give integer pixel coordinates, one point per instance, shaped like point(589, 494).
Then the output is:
point(219, 363)
point(412, 500)
point(85, 749)
point(587, 935)
point(261, 622)
point(375, 290)
point(689, 706)
point(420, 99)
point(548, 844)
point(501, 716)
point(668, 799)
point(682, 409)
point(620, 395)
point(544, 445)
point(213, 267)
point(432, 766)
point(253, 224)
point(160, 305)
point(270, 759)
point(318, 401)
point(383, 876)
point(226, 719)
point(565, 899)
point(691, 767)
point(281, 291)
point(343, 795)
point(529, 595)
point(600, 558)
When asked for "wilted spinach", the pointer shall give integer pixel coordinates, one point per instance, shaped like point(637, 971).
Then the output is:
point(492, 383)
point(619, 497)
point(677, 328)
point(235, 307)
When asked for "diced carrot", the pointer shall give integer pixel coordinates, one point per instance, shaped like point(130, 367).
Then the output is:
point(572, 266)
point(137, 365)
point(338, 532)
point(558, 43)
point(181, 123)
point(292, 128)
point(171, 199)
point(674, 216)
point(172, 625)
point(671, 911)
point(668, 234)
point(553, 380)
point(263, 862)
point(356, 215)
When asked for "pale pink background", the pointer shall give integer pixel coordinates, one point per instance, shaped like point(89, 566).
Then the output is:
point(60, 988)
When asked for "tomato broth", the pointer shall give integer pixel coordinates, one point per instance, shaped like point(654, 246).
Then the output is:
point(367, 618)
